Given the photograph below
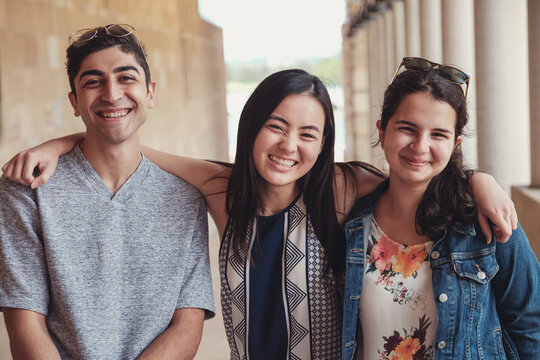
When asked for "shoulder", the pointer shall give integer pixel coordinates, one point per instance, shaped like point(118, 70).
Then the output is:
point(518, 243)
point(356, 178)
point(11, 189)
point(171, 185)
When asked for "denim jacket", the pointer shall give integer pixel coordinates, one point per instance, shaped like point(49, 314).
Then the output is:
point(487, 296)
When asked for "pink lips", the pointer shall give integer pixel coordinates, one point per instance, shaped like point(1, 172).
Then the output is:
point(416, 162)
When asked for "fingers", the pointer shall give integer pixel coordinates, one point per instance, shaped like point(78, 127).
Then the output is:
point(501, 236)
point(513, 217)
point(43, 177)
point(484, 225)
point(502, 226)
point(21, 168)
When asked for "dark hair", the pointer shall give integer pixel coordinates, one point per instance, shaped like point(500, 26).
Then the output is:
point(243, 193)
point(447, 204)
point(79, 50)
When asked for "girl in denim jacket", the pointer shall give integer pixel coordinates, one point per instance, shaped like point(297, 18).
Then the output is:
point(421, 283)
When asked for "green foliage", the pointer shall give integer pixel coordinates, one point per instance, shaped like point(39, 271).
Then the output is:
point(254, 71)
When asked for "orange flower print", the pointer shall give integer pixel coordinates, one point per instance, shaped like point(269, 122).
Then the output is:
point(408, 261)
point(383, 251)
point(406, 349)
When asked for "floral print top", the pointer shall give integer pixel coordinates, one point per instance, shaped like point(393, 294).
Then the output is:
point(397, 307)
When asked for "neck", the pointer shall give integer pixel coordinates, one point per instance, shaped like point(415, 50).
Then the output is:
point(275, 199)
point(396, 212)
point(114, 163)
point(405, 198)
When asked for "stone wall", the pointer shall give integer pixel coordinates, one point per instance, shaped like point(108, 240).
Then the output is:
point(185, 56)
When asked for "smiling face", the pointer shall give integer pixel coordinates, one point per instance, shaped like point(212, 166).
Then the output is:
point(419, 139)
point(288, 144)
point(112, 96)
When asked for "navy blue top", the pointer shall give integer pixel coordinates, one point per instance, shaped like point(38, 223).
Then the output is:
point(267, 327)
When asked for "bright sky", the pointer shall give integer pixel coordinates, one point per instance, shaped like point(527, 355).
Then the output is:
point(277, 29)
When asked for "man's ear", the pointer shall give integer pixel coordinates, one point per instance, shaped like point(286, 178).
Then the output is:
point(151, 92)
point(73, 101)
point(381, 133)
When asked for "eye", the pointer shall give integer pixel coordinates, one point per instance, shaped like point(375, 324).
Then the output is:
point(309, 136)
point(126, 78)
point(92, 83)
point(440, 135)
point(275, 127)
point(407, 129)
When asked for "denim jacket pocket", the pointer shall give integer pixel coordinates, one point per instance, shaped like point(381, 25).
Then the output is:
point(474, 274)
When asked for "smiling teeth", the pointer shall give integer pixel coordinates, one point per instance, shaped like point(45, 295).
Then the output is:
point(114, 114)
point(283, 162)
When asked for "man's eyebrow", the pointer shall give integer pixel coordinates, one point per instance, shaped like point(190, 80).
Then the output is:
point(408, 123)
point(125, 68)
point(307, 127)
point(91, 72)
point(116, 70)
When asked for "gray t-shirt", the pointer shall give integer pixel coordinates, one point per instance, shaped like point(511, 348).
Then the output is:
point(108, 270)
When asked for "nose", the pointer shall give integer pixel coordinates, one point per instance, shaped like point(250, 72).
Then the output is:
point(420, 144)
point(288, 144)
point(112, 92)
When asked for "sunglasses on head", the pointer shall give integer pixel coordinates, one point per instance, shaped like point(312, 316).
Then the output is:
point(116, 30)
point(451, 73)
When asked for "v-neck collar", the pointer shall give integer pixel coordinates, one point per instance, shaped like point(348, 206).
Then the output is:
point(93, 180)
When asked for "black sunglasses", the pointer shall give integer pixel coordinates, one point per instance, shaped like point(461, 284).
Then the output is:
point(451, 73)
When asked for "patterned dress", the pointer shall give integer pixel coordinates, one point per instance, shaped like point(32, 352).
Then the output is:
point(280, 303)
point(397, 307)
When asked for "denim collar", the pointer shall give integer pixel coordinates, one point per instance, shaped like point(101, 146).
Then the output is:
point(366, 204)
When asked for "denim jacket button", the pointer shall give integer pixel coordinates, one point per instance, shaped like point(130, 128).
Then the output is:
point(441, 345)
point(443, 298)
point(481, 275)
point(435, 255)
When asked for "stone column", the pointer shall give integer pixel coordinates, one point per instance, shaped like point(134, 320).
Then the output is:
point(400, 40)
point(503, 95)
point(534, 77)
point(388, 15)
point(412, 27)
point(430, 29)
point(377, 79)
point(360, 94)
point(458, 50)
point(347, 78)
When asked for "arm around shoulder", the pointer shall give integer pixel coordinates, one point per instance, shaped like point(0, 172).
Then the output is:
point(517, 290)
point(29, 337)
point(197, 172)
point(45, 157)
point(352, 181)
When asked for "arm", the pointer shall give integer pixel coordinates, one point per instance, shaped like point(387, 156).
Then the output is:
point(45, 157)
point(493, 204)
point(197, 172)
point(352, 181)
point(517, 289)
point(181, 339)
point(28, 335)
point(24, 280)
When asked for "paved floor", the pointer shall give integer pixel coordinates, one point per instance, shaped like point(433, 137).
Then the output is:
point(213, 344)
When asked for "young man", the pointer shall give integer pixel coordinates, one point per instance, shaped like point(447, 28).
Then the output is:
point(109, 259)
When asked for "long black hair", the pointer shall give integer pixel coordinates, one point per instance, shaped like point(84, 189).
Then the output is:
point(447, 204)
point(243, 193)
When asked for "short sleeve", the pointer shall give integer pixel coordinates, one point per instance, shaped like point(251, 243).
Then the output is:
point(23, 272)
point(196, 290)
